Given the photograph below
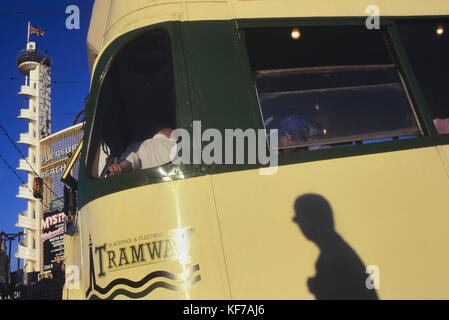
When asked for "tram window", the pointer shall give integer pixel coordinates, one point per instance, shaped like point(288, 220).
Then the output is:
point(427, 45)
point(136, 108)
point(329, 87)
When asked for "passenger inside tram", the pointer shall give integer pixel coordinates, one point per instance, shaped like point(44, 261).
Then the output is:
point(442, 125)
point(293, 130)
point(149, 153)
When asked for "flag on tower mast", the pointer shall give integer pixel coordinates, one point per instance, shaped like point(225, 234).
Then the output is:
point(37, 31)
point(33, 30)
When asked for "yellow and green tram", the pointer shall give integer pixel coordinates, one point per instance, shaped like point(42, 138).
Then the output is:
point(358, 206)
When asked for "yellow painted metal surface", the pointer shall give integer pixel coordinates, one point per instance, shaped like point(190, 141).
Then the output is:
point(390, 208)
point(147, 215)
point(444, 153)
point(335, 8)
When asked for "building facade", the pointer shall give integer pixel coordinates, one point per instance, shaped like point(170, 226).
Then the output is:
point(55, 153)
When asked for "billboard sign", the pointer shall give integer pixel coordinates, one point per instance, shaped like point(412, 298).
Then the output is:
point(52, 237)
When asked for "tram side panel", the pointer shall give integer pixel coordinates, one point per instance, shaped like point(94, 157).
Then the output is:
point(389, 212)
point(158, 241)
point(444, 151)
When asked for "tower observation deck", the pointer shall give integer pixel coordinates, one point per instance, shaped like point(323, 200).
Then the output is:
point(29, 58)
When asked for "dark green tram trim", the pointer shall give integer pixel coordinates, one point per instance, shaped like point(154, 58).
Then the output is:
point(323, 21)
point(214, 84)
point(417, 96)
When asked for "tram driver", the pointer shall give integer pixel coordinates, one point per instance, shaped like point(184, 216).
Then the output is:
point(150, 153)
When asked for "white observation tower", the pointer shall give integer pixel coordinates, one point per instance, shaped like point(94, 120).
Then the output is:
point(35, 66)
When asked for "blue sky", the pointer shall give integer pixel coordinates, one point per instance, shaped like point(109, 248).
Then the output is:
point(68, 52)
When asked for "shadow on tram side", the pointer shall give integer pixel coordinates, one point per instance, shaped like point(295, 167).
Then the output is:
point(340, 273)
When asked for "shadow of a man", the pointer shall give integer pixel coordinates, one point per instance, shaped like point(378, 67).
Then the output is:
point(340, 273)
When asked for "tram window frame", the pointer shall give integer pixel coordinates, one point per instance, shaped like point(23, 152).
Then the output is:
point(167, 171)
point(415, 110)
point(413, 46)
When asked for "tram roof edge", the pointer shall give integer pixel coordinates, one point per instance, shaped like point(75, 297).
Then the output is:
point(112, 18)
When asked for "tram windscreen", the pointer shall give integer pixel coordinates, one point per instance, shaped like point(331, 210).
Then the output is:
point(136, 102)
point(329, 86)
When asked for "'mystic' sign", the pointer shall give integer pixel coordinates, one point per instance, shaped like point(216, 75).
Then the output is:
point(52, 237)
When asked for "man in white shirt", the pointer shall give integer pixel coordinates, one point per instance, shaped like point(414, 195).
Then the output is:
point(153, 152)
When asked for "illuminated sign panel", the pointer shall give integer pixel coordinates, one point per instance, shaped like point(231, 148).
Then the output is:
point(52, 238)
point(55, 153)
